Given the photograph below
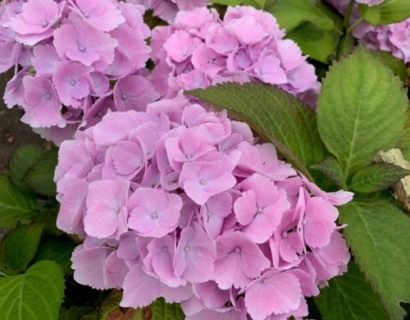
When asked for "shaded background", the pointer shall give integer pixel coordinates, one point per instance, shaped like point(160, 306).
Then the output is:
point(13, 133)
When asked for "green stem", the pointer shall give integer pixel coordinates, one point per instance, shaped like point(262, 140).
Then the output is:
point(354, 25)
point(348, 14)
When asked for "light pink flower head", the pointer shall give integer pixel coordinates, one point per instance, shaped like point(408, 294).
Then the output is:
point(198, 213)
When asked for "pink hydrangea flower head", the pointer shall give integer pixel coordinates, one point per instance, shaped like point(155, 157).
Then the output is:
point(199, 49)
point(93, 54)
point(180, 202)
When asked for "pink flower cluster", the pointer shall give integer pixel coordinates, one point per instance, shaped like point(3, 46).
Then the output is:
point(199, 49)
point(181, 203)
point(75, 59)
point(167, 9)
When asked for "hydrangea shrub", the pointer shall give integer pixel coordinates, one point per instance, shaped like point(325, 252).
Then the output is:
point(170, 193)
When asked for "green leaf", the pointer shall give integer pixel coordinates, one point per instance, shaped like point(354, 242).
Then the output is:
point(377, 177)
point(275, 115)
point(15, 206)
point(379, 237)
point(350, 297)
point(361, 110)
point(390, 11)
point(19, 246)
point(293, 13)
point(315, 42)
point(35, 295)
point(40, 177)
point(58, 250)
point(331, 168)
point(21, 161)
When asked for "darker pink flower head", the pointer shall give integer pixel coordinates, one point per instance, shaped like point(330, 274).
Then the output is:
point(92, 53)
point(184, 204)
point(198, 50)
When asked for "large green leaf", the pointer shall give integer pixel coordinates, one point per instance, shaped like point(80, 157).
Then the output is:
point(361, 110)
point(40, 177)
point(378, 234)
point(35, 295)
point(15, 206)
point(315, 42)
point(21, 161)
point(390, 11)
point(275, 115)
point(58, 250)
point(350, 297)
point(377, 177)
point(292, 13)
point(19, 246)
